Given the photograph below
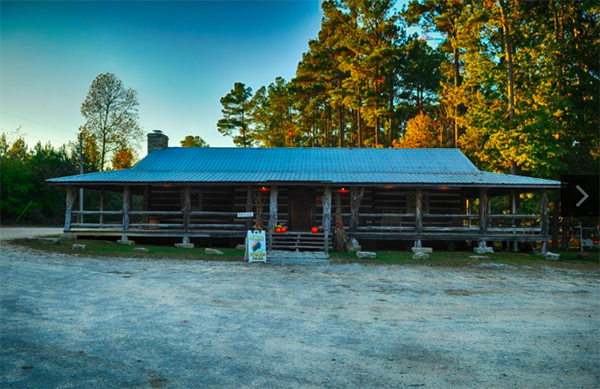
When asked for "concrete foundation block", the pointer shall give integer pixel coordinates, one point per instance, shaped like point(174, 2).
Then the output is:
point(479, 257)
point(366, 255)
point(483, 250)
point(210, 251)
point(420, 255)
point(121, 241)
point(68, 236)
point(426, 250)
point(77, 247)
point(240, 247)
point(141, 250)
point(184, 245)
point(552, 256)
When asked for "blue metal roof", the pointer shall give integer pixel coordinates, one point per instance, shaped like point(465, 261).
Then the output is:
point(331, 165)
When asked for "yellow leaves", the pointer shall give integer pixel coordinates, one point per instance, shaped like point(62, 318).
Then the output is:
point(421, 132)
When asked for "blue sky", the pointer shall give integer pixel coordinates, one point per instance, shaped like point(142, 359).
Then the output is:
point(181, 57)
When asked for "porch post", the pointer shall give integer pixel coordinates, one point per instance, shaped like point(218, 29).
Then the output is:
point(544, 219)
point(126, 208)
point(187, 205)
point(418, 216)
point(249, 206)
point(513, 211)
point(483, 215)
point(327, 216)
point(102, 198)
point(272, 215)
point(146, 203)
point(70, 202)
point(356, 196)
point(81, 205)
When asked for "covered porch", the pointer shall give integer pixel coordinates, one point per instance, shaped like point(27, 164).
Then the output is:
point(415, 213)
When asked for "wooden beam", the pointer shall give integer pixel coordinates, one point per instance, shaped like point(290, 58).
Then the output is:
point(70, 202)
point(158, 213)
point(356, 196)
point(187, 206)
point(237, 226)
point(126, 207)
point(272, 214)
point(99, 212)
point(326, 216)
point(483, 213)
point(418, 215)
point(249, 206)
point(544, 219)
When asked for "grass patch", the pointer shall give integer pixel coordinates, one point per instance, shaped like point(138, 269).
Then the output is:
point(568, 260)
point(102, 248)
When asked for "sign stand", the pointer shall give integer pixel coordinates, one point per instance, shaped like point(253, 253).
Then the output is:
point(256, 246)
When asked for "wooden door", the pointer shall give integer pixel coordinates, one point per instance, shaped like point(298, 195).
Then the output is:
point(302, 209)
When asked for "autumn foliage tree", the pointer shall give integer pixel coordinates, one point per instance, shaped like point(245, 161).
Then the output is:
point(193, 141)
point(513, 84)
point(111, 114)
point(123, 158)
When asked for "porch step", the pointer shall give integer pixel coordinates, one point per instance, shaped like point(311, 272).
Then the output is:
point(300, 241)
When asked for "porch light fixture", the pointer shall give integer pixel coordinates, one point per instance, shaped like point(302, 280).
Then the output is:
point(264, 189)
point(388, 187)
point(343, 190)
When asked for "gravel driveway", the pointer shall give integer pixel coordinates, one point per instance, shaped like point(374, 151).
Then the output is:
point(71, 321)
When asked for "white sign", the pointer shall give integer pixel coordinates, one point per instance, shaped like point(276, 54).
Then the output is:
point(256, 246)
point(245, 214)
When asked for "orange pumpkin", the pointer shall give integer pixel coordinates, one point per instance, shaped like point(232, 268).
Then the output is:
point(283, 229)
point(278, 230)
point(314, 230)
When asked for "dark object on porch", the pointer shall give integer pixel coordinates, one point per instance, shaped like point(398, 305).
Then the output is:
point(385, 194)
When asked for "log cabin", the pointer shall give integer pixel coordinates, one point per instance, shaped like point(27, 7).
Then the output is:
point(413, 195)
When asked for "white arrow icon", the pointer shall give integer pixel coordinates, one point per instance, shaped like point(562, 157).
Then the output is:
point(585, 195)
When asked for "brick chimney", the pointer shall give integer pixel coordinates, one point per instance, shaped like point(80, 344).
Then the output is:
point(157, 141)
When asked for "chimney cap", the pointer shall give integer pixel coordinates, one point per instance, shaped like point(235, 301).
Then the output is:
point(158, 131)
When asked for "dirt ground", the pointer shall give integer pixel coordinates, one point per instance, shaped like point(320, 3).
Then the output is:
point(98, 323)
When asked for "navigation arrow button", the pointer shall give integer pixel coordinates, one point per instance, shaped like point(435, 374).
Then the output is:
point(585, 196)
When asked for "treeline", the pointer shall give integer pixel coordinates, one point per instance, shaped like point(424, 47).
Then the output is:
point(24, 194)
point(514, 84)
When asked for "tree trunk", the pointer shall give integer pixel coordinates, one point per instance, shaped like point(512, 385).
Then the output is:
point(70, 202)
point(341, 126)
point(327, 216)
point(358, 128)
point(510, 75)
point(456, 86)
point(356, 196)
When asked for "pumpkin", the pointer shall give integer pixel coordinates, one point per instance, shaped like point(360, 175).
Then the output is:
point(283, 229)
point(314, 230)
point(278, 230)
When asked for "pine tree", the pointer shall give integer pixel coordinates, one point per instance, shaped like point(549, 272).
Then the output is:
point(236, 117)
